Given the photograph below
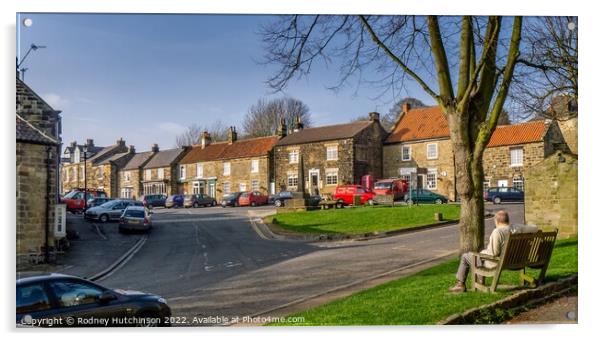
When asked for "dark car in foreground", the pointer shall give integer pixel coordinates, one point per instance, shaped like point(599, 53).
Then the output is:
point(111, 210)
point(196, 200)
point(57, 300)
point(279, 199)
point(173, 201)
point(425, 196)
point(497, 195)
point(153, 200)
point(135, 218)
point(231, 199)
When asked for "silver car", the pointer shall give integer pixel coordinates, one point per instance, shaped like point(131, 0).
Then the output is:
point(111, 210)
point(135, 218)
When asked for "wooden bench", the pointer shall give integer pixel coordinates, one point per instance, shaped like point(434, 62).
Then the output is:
point(521, 251)
point(327, 204)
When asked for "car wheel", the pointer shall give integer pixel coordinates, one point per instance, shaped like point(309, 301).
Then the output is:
point(410, 202)
point(370, 202)
point(104, 218)
point(253, 203)
point(438, 201)
point(278, 203)
point(195, 205)
point(213, 203)
point(497, 200)
point(340, 204)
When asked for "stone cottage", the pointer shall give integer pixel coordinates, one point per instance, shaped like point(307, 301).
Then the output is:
point(38, 143)
point(220, 168)
point(131, 174)
point(72, 164)
point(329, 155)
point(160, 174)
point(106, 171)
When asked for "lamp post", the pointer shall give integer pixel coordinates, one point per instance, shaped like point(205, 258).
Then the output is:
point(85, 178)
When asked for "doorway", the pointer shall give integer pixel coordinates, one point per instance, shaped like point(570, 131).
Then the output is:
point(314, 182)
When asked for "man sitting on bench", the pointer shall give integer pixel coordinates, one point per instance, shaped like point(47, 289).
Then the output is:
point(498, 237)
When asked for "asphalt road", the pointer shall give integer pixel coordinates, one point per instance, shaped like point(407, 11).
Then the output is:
point(209, 262)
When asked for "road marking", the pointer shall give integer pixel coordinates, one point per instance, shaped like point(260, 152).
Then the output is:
point(99, 232)
point(120, 262)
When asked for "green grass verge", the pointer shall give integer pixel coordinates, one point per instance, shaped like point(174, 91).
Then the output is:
point(368, 219)
point(423, 298)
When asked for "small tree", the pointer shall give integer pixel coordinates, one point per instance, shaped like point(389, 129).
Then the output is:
point(192, 135)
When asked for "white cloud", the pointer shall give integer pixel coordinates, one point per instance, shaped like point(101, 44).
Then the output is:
point(171, 127)
point(55, 101)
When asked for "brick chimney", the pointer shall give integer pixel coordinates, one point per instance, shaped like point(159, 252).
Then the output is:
point(282, 129)
point(298, 124)
point(374, 116)
point(406, 107)
point(155, 148)
point(73, 144)
point(232, 135)
point(121, 142)
point(132, 149)
point(90, 143)
point(205, 139)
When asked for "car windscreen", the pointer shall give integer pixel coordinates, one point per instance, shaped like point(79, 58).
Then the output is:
point(108, 204)
point(71, 194)
point(134, 213)
point(383, 185)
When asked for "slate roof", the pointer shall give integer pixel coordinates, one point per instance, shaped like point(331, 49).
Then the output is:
point(26, 132)
point(420, 124)
point(138, 160)
point(119, 158)
point(164, 158)
point(528, 132)
point(325, 133)
point(98, 157)
point(91, 149)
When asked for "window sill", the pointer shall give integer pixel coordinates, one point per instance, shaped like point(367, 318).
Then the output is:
point(517, 165)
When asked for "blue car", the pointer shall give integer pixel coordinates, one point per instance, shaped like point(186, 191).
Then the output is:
point(154, 200)
point(497, 195)
point(176, 200)
point(425, 196)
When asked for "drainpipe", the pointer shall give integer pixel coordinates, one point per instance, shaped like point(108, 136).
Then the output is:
point(47, 213)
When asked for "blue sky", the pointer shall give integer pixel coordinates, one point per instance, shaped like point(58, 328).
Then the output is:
point(146, 77)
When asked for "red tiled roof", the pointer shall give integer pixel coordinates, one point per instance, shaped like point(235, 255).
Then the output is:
point(223, 150)
point(420, 124)
point(528, 132)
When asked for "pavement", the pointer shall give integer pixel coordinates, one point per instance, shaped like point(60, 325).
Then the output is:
point(562, 310)
point(211, 262)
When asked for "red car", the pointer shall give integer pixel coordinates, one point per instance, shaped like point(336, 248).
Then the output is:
point(75, 199)
point(343, 195)
point(254, 198)
point(395, 187)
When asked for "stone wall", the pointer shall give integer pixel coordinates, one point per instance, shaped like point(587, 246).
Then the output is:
point(551, 194)
point(31, 198)
point(171, 183)
point(134, 182)
point(240, 173)
point(368, 153)
point(444, 163)
point(496, 162)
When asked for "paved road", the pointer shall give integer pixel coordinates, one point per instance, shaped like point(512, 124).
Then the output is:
point(210, 262)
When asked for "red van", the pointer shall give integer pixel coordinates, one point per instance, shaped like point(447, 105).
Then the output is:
point(343, 195)
point(254, 198)
point(75, 199)
point(396, 187)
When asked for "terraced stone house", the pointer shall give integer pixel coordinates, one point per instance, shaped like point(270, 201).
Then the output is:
point(131, 175)
point(329, 155)
point(160, 174)
point(72, 164)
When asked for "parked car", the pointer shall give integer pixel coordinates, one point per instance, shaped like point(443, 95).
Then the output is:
point(396, 187)
point(498, 195)
point(425, 196)
point(344, 195)
point(56, 296)
point(111, 210)
point(98, 201)
point(135, 218)
point(74, 200)
point(154, 200)
point(253, 198)
point(176, 200)
point(196, 200)
point(231, 199)
point(280, 198)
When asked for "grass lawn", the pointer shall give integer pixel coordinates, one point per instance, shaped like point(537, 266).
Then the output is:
point(423, 298)
point(359, 220)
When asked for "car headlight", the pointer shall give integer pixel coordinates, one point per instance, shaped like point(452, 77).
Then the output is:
point(162, 300)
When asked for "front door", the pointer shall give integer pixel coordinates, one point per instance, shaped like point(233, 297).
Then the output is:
point(502, 183)
point(314, 182)
point(211, 189)
point(420, 181)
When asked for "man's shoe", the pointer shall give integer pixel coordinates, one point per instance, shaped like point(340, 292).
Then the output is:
point(458, 288)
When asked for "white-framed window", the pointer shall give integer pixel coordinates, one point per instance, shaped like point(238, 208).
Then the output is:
point(405, 177)
point(406, 153)
point(293, 156)
point(147, 174)
point(160, 173)
point(255, 185)
point(518, 182)
point(516, 157)
point(254, 166)
point(199, 170)
point(242, 187)
point(226, 188)
point(197, 187)
point(226, 168)
point(127, 176)
point(486, 184)
point(182, 172)
point(127, 192)
point(332, 177)
point(332, 153)
point(431, 179)
point(432, 151)
point(292, 180)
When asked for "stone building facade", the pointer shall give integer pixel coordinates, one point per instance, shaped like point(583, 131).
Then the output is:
point(38, 139)
point(329, 156)
point(220, 168)
point(106, 173)
point(72, 164)
point(131, 174)
point(160, 174)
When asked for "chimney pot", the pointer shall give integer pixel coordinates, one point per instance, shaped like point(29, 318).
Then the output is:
point(282, 128)
point(232, 135)
point(374, 116)
point(90, 142)
point(298, 124)
point(205, 139)
point(131, 149)
point(121, 142)
point(155, 148)
point(406, 107)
